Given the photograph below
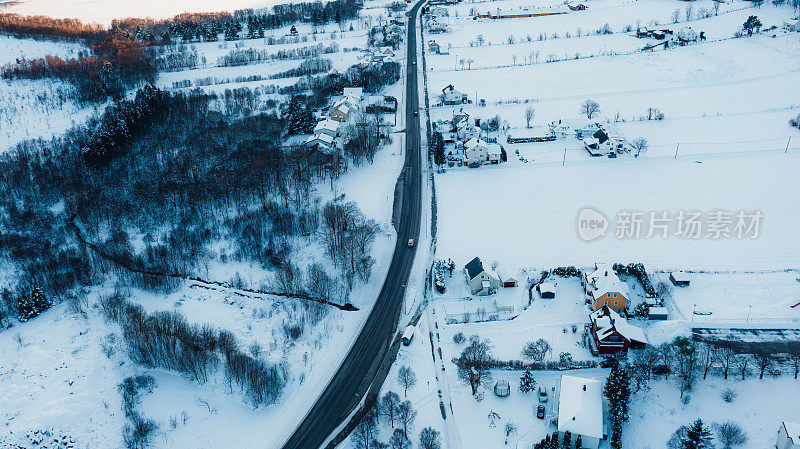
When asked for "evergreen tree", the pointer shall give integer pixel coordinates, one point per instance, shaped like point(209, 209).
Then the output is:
point(527, 383)
point(697, 436)
point(29, 306)
point(579, 442)
point(567, 442)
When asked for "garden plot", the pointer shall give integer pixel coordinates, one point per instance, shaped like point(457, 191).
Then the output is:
point(551, 319)
point(738, 296)
point(532, 217)
point(760, 408)
point(472, 416)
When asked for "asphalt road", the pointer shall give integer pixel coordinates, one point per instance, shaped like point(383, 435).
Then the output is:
point(360, 366)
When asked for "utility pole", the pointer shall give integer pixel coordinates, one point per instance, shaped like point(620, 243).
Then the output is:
point(676, 150)
point(787, 145)
point(564, 161)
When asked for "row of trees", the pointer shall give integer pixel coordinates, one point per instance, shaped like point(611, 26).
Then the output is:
point(166, 340)
point(400, 415)
point(254, 56)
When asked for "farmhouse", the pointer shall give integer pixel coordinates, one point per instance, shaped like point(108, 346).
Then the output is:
point(612, 333)
point(788, 436)
point(494, 153)
point(580, 410)
point(679, 279)
point(451, 96)
point(467, 131)
point(605, 288)
point(481, 282)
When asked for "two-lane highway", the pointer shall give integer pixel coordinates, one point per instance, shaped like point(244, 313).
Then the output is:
point(360, 366)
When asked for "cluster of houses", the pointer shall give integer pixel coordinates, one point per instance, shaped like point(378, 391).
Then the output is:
point(464, 142)
point(353, 99)
point(436, 19)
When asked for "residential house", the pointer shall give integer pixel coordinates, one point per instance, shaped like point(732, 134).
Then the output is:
point(327, 126)
point(341, 110)
point(475, 150)
point(467, 131)
point(605, 288)
point(459, 117)
point(436, 27)
point(320, 141)
point(611, 333)
point(438, 11)
point(494, 153)
point(573, 128)
point(788, 436)
point(433, 47)
point(355, 93)
point(679, 279)
point(481, 281)
point(580, 410)
point(451, 96)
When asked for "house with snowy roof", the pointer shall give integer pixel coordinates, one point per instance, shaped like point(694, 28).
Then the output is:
point(580, 410)
point(611, 333)
point(475, 150)
point(327, 126)
point(481, 281)
point(341, 110)
point(451, 96)
point(320, 141)
point(788, 436)
point(604, 288)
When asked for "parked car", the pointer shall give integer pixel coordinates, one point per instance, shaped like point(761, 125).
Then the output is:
point(608, 363)
point(660, 369)
point(540, 412)
point(542, 394)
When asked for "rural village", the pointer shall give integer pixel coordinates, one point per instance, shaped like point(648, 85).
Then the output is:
point(372, 224)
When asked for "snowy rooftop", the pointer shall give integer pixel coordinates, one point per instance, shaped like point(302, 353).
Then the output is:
point(327, 124)
point(793, 430)
point(604, 280)
point(607, 321)
point(580, 406)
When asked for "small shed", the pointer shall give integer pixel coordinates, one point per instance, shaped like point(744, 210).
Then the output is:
point(679, 279)
point(658, 313)
point(788, 436)
point(547, 290)
point(502, 388)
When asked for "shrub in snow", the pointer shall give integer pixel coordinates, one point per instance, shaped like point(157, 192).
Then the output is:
point(30, 306)
point(459, 338)
point(728, 395)
point(795, 122)
point(730, 434)
point(569, 271)
point(40, 439)
point(440, 267)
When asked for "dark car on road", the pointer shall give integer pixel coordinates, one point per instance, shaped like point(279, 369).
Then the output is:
point(540, 412)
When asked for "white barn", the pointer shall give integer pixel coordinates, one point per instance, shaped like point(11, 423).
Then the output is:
point(580, 410)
